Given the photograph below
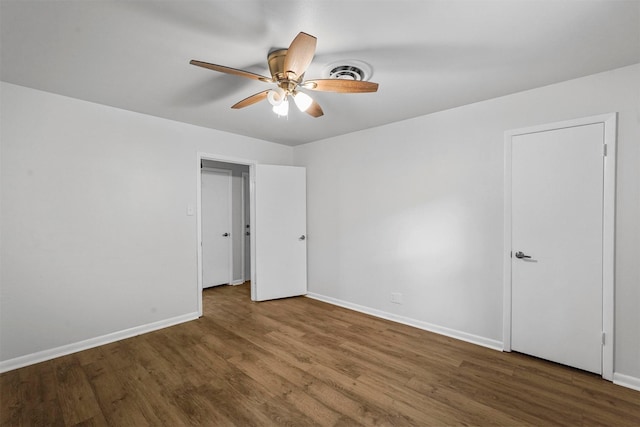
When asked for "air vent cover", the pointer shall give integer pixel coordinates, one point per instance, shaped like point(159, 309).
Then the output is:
point(348, 70)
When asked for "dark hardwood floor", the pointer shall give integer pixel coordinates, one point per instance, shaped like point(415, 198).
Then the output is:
point(302, 362)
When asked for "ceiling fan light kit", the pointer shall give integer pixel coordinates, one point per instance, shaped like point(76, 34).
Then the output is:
point(276, 96)
point(287, 68)
point(281, 109)
point(302, 100)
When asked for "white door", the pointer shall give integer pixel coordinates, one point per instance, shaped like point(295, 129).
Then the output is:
point(557, 232)
point(280, 232)
point(216, 227)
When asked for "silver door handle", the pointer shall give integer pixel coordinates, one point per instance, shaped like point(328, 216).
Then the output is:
point(302, 237)
point(521, 255)
point(225, 235)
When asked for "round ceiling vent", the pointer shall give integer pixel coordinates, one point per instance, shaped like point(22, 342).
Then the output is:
point(348, 70)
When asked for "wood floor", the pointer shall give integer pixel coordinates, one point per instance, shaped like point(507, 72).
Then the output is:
point(302, 362)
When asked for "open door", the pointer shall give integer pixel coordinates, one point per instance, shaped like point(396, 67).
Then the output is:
point(280, 232)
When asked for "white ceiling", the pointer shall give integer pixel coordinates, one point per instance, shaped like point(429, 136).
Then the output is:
point(426, 55)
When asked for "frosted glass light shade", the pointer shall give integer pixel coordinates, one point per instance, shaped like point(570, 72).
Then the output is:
point(276, 96)
point(302, 100)
point(281, 109)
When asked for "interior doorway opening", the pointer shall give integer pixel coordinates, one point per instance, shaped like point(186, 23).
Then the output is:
point(277, 228)
point(240, 211)
point(226, 225)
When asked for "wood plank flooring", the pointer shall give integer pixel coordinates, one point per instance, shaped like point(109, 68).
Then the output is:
point(299, 362)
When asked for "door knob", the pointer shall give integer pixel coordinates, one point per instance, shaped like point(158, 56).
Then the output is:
point(225, 235)
point(521, 255)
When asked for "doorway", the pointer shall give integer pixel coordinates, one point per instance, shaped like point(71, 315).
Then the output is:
point(559, 224)
point(277, 221)
point(224, 202)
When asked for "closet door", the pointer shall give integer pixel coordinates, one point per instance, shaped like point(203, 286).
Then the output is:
point(216, 227)
point(557, 243)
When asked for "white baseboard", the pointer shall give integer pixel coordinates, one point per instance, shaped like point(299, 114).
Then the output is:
point(41, 356)
point(619, 379)
point(463, 336)
point(626, 381)
point(237, 282)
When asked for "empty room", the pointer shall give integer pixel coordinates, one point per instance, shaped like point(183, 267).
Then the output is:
point(318, 212)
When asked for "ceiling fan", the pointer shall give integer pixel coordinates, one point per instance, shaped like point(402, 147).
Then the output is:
point(287, 67)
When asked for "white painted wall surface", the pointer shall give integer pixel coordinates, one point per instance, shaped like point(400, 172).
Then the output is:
point(95, 233)
point(416, 207)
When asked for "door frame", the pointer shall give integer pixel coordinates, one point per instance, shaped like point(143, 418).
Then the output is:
point(245, 177)
point(608, 230)
point(218, 158)
point(230, 215)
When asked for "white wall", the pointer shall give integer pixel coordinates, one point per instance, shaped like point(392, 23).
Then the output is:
point(416, 207)
point(95, 234)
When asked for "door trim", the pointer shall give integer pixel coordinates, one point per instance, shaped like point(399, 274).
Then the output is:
point(218, 158)
point(229, 174)
point(245, 178)
point(608, 230)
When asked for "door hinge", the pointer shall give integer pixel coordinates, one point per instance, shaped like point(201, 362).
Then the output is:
point(603, 338)
point(604, 150)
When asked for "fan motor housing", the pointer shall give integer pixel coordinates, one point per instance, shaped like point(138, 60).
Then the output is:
point(276, 68)
point(276, 63)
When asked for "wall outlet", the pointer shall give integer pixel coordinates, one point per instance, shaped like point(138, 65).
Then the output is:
point(396, 297)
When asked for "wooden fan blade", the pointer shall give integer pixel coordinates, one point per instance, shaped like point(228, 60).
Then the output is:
point(229, 70)
point(250, 100)
point(314, 110)
point(342, 86)
point(300, 54)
